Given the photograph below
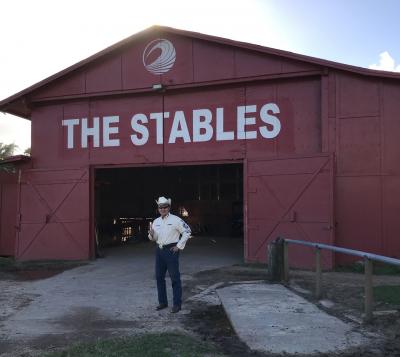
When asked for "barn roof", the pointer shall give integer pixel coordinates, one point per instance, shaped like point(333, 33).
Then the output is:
point(18, 104)
point(15, 159)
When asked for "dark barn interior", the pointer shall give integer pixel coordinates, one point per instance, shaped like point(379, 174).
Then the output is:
point(208, 197)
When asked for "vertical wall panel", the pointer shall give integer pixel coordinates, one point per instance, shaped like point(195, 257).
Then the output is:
point(8, 213)
point(105, 75)
point(228, 99)
point(134, 75)
point(212, 61)
point(127, 152)
point(54, 215)
point(391, 128)
point(248, 63)
point(259, 95)
point(359, 145)
point(47, 135)
point(359, 96)
point(182, 70)
point(358, 214)
point(303, 97)
point(391, 221)
point(77, 156)
point(289, 198)
point(73, 84)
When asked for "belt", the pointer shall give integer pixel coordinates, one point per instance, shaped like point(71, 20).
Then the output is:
point(161, 246)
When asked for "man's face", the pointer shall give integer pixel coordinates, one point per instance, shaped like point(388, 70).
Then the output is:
point(163, 209)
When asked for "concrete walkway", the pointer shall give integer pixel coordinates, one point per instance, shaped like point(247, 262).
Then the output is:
point(107, 297)
point(271, 318)
point(116, 296)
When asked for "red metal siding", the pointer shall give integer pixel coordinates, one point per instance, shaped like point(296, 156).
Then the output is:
point(350, 116)
point(72, 85)
point(54, 215)
point(359, 146)
point(358, 211)
point(46, 133)
point(248, 64)
point(49, 136)
point(367, 128)
point(126, 152)
point(259, 94)
point(300, 115)
point(358, 96)
point(133, 73)
point(390, 214)
point(104, 76)
point(290, 198)
point(289, 66)
point(391, 128)
point(212, 62)
point(8, 212)
point(226, 98)
point(183, 69)
point(196, 61)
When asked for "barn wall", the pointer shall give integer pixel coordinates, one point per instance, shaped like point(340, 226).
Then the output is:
point(347, 116)
point(299, 106)
point(197, 61)
point(54, 215)
point(367, 151)
point(8, 212)
point(299, 114)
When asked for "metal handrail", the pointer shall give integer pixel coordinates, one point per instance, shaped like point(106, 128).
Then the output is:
point(368, 267)
point(359, 253)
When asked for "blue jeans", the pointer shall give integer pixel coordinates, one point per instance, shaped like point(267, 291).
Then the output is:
point(168, 260)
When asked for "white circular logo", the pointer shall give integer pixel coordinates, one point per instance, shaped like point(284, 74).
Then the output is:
point(164, 62)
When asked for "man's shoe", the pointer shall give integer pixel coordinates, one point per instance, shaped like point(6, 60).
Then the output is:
point(175, 309)
point(161, 306)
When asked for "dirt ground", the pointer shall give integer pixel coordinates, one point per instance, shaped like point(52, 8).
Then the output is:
point(342, 297)
point(204, 317)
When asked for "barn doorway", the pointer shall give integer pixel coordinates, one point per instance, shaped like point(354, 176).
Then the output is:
point(208, 197)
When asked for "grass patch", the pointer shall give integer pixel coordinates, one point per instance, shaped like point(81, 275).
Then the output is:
point(148, 345)
point(389, 294)
point(6, 263)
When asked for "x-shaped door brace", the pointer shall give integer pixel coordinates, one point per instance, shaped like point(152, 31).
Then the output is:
point(287, 210)
point(52, 213)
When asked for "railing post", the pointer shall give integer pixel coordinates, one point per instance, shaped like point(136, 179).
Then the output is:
point(368, 291)
point(285, 261)
point(275, 260)
point(318, 272)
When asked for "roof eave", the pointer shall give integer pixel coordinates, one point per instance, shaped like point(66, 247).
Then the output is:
point(15, 159)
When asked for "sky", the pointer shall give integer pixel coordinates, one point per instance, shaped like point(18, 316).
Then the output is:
point(42, 37)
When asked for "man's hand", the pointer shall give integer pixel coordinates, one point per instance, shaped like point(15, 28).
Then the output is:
point(151, 232)
point(175, 249)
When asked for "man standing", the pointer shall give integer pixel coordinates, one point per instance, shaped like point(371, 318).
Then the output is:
point(165, 231)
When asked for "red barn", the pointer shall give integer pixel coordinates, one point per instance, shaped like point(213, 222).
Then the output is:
point(247, 140)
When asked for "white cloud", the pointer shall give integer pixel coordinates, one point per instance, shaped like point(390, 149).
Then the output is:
point(386, 63)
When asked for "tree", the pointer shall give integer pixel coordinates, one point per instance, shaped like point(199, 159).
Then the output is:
point(7, 150)
point(28, 152)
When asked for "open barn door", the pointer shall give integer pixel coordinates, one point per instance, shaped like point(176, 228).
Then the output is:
point(53, 220)
point(292, 198)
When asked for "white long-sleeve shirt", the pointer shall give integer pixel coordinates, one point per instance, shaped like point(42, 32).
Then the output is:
point(168, 229)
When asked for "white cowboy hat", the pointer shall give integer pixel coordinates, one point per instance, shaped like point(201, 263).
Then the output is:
point(163, 201)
